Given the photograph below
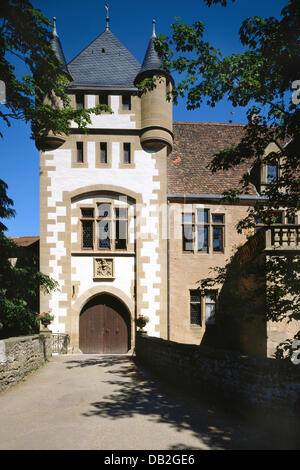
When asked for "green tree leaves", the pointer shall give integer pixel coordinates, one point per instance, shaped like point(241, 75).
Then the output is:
point(20, 282)
point(40, 97)
point(6, 211)
point(259, 79)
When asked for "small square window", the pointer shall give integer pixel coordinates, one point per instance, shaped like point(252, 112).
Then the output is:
point(103, 99)
point(87, 213)
point(79, 146)
point(218, 239)
point(126, 102)
point(210, 308)
point(195, 308)
point(217, 218)
point(103, 152)
point(127, 153)
point(79, 100)
point(197, 303)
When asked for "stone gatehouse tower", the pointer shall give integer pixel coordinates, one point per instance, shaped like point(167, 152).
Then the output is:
point(102, 200)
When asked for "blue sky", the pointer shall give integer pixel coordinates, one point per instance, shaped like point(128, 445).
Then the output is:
point(78, 23)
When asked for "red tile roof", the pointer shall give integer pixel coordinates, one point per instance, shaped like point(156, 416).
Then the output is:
point(195, 143)
point(25, 241)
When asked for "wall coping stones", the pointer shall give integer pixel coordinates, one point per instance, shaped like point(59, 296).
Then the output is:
point(21, 355)
point(241, 381)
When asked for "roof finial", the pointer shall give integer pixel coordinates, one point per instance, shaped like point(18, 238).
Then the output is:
point(107, 17)
point(153, 32)
point(54, 26)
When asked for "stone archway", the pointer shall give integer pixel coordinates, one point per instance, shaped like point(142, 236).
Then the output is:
point(104, 326)
point(84, 299)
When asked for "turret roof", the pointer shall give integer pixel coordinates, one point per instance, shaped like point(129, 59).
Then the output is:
point(152, 62)
point(106, 63)
point(58, 50)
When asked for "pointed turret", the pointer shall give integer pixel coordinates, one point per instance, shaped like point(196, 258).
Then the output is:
point(57, 48)
point(156, 110)
point(152, 62)
point(47, 140)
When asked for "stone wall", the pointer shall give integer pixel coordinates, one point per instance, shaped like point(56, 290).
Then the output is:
point(21, 355)
point(242, 382)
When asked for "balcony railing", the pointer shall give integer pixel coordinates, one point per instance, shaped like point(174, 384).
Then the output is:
point(276, 238)
point(283, 237)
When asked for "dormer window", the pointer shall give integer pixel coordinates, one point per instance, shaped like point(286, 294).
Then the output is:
point(263, 174)
point(272, 172)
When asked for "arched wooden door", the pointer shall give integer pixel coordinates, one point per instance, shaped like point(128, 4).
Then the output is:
point(104, 326)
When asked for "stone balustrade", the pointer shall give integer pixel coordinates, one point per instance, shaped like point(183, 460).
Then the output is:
point(283, 237)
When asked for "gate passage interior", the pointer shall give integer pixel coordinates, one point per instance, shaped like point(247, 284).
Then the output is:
point(104, 326)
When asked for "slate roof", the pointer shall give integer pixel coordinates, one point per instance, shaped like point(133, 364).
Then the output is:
point(195, 143)
point(58, 50)
point(152, 62)
point(105, 62)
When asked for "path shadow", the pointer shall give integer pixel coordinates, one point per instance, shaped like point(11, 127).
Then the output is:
point(103, 361)
point(140, 393)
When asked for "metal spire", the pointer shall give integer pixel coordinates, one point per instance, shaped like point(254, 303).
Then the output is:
point(153, 32)
point(54, 26)
point(107, 17)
